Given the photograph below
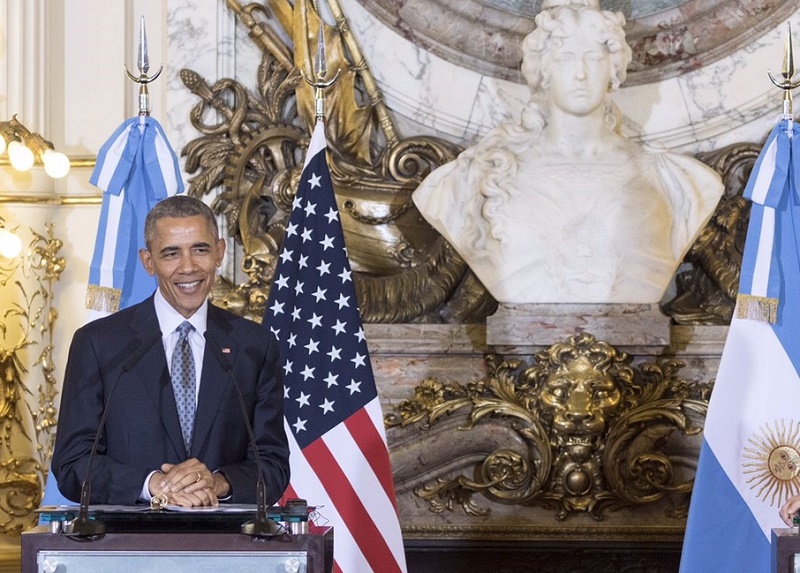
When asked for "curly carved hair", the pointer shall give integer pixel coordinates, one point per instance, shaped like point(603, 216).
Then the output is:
point(493, 164)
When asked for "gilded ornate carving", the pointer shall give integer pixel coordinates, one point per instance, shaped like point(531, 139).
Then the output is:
point(250, 158)
point(594, 431)
point(403, 270)
point(707, 291)
point(28, 410)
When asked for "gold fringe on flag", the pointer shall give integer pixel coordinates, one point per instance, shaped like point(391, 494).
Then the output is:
point(103, 299)
point(758, 308)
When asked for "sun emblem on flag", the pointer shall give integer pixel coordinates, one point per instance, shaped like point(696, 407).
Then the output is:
point(772, 462)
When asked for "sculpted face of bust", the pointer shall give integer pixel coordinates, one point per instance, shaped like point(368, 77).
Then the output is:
point(560, 31)
point(562, 208)
point(579, 72)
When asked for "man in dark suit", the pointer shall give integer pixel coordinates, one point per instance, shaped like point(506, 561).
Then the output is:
point(135, 362)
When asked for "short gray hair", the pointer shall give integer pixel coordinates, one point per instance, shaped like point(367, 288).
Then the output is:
point(178, 207)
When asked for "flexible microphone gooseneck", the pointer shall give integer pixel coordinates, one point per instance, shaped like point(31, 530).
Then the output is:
point(82, 527)
point(261, 526)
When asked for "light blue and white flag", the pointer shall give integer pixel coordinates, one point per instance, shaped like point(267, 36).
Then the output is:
point(136, 168)
point(750, 458)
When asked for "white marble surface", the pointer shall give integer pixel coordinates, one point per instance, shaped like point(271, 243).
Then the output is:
point(728, 101)
point(531, 325)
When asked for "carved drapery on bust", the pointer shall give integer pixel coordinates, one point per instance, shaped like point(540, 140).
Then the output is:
point(560, 207)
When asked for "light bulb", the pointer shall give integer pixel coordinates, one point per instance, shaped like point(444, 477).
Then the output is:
point(21, 157)
point(2, 144)
point(10, 245)
point(56, 164)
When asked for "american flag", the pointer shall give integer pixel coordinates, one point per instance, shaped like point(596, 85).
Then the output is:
point(339, 458)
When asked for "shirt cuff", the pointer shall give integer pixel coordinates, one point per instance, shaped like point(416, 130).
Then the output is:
point(145, 493)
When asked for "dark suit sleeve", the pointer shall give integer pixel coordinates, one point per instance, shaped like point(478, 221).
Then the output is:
point(268, 429)
point(89, 378)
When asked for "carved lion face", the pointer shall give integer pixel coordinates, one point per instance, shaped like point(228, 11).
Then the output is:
point(578, 398)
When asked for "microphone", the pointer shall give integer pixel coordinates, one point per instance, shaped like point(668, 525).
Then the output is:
point(261, 526)
point(82, 527)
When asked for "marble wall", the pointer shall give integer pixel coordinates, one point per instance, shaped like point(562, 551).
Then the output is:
point(723, 96)
point(717, 95)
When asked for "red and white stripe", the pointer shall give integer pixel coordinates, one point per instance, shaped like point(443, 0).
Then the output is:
point(346, 474)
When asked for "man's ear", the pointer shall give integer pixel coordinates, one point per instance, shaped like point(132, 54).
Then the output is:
point(147, 261)
point(220, 251)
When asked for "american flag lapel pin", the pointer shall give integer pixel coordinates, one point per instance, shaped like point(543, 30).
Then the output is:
point(226, 350)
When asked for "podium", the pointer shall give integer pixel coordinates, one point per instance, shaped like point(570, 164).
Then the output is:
point(145, 540)
point(785, 550)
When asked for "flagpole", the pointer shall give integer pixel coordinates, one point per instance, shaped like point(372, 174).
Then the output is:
point(753, 300)
point(752, 416)
point(135, 169)
point(787, 85)
point(319, 82)
point(339, 455)
point(143, 63)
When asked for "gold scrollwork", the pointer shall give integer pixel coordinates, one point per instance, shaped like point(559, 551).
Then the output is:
point(403, 270)
point(706, 291)
point(252, 155)
point(595, 431)
point(28, 411)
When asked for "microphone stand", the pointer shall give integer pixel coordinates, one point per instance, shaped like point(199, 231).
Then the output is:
point(82, 527)
point(261, 526)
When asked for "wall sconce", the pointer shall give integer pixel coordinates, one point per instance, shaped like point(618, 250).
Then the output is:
point(26, 148)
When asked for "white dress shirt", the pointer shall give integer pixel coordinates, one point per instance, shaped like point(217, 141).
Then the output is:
point(168, 321)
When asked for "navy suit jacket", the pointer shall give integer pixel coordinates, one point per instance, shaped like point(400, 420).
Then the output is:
point(118, 363)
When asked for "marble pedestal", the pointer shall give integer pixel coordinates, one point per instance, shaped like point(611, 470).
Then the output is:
point(424, 369)
point(519, 326)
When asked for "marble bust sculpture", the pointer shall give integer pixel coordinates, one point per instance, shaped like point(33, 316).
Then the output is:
point(561, 207)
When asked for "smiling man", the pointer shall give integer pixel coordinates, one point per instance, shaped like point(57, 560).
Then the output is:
point(164, 373)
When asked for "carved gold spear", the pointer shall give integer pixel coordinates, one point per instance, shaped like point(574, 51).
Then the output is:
point(261, 34)
point(360, 64)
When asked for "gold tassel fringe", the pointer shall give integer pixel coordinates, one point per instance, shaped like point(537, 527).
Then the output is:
point(103, 299)
point(758, 308)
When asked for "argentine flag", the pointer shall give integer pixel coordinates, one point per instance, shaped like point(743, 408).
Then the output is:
point(750, 458)
point(136, 168)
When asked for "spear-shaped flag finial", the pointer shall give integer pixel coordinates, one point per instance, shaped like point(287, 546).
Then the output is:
point(787, 85)
point(143, 63)
point(320, 72)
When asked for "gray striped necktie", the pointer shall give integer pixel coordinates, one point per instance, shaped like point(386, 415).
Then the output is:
point(183, 382)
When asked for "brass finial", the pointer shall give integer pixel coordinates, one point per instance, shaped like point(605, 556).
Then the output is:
point(143, 63)
point(319, 82)
point(788, 72)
